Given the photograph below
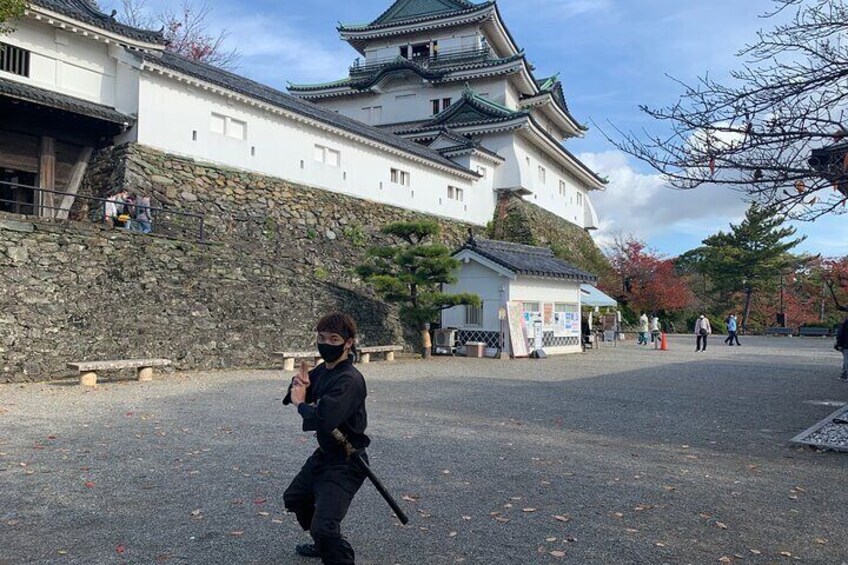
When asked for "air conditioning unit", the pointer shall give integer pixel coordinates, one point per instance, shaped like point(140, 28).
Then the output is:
point(443, 341)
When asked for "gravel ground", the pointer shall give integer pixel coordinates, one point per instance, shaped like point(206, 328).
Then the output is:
point(619, 456)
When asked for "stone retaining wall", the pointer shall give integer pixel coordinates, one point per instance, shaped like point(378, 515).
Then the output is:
point(278, 255)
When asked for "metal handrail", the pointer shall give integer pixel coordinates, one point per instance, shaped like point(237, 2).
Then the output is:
point(162, 215)
point(434, 59)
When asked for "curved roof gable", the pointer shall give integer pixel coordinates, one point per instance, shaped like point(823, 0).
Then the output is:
point(86, 11)
point(404, 10)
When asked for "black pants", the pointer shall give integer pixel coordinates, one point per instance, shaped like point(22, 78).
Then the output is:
point(732, 336)
point(701, 339)
point(320, 496)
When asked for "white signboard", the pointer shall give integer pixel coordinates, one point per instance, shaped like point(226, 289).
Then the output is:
point(517, 329)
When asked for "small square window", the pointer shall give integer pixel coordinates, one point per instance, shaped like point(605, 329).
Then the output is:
point(436, 108)
point(237, 129)
point(333, 157)
point(542, 174)
point(218, 124)
point(319, 153)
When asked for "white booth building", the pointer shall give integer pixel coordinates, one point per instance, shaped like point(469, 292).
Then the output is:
point(520, 286)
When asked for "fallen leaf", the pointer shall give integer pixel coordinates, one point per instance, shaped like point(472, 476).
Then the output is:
point(820, 541)
point(237, 533)
point(786, 554)
point(558, 554)
point(466, 518)
point(501, 519)
point(259, 501)
point(725, 559)
point(89, 484)
point(446, 472)
point(561, 518)
point(528, 509)
point(409, 498)
point(452, 535)
point(121, 548)
point(659, 544)
point(721, 525)
point(264, 513)
point(756, 551)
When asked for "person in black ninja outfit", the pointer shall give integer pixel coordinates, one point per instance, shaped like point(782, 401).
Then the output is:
point(330, 396)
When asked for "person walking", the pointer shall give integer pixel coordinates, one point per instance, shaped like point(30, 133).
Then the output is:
point(732, 330)
point(655, 328)
point(331, 396)
point(643, 330)
point(702, 332)
point(842, 346)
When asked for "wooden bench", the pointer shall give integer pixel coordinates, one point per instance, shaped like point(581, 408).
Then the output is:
point(788, 332)
point(814, 332)
point(88, 369)
point(289, 357)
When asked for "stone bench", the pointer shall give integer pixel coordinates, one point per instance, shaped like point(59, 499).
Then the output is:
point(289, 357)
point(388, 350)
point(788, 332)
point(814, 332)
point(88, 369)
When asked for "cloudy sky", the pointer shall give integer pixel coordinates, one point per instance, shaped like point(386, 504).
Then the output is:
point(612, 55)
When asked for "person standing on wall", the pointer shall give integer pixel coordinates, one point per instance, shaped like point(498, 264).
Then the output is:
point(702, 332)
point(643, 329)
point(330, 396)
point(732, 330)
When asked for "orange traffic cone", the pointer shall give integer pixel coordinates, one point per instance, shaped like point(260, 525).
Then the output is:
point(663, 342)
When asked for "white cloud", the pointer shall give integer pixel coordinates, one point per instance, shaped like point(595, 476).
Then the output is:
point(643, 205)
point(274, 50)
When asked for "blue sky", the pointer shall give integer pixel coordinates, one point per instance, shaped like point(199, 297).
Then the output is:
point(612, 55)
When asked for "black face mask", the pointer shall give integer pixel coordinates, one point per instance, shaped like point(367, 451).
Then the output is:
point(330, 353)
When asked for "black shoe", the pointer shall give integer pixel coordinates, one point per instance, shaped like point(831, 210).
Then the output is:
point(843, 378)
point(307, 550)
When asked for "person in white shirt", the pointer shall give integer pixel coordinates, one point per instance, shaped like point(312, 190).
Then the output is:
point(702, 332)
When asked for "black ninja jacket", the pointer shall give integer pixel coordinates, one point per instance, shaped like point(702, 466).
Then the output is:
point(335, 399)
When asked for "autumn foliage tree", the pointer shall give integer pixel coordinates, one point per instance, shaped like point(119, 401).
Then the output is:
point(645, 280)
point(186, 29)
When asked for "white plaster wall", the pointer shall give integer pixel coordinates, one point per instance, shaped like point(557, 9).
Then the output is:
point(487, 284)
point(547, 194)
point(170, 112)
point(68, 63)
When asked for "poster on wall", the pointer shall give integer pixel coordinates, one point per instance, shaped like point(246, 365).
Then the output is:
point(567, 321)
point(517, 329)
point(549, 314)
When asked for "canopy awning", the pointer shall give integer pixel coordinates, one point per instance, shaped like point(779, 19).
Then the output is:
point(591, 296)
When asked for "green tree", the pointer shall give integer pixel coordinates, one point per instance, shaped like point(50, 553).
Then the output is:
point(750, 258)
point(10, 10)
point(410, 273)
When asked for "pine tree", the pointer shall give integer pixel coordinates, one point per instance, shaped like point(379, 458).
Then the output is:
point(749, 258)
point(10, 10)
point(411, 272)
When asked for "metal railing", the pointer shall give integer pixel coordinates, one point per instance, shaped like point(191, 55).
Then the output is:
point(433, 60)
point(26, 200)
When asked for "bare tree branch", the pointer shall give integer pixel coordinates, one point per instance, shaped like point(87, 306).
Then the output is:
point(756, 134)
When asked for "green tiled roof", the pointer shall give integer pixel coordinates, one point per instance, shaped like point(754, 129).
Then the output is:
point(407, 11)
point(410, 9)
point(471, 109)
